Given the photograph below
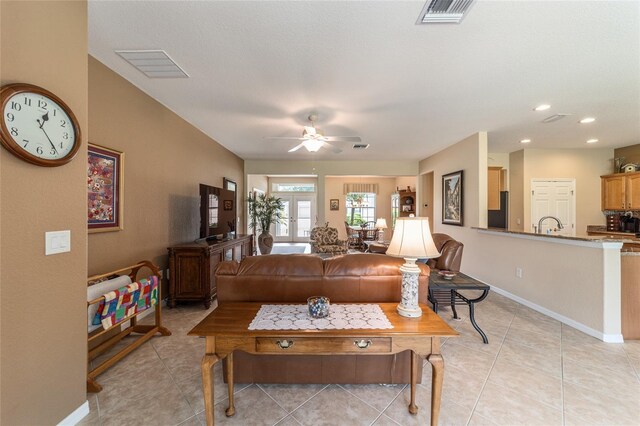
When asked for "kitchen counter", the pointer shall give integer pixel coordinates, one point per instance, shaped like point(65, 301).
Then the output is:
point(584, 238)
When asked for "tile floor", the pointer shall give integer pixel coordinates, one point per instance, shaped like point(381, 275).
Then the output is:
point(534, 371)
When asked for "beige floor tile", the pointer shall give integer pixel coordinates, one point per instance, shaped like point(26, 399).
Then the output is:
point(140, 361)
point(478, 420)
point(516, 353)
point(605, 380)
point(470, 338)
point(291, 397)
point(185, 362)
point(503, 406)
point(600, 408)
point(192, 421)
point(378, 396)
point(571, 419)
point(253, 407)
point(165, 408)
point(450, 412)
point(528, 382)
point(473, 362)
point(334, 406)
point(457, 386)
point(596, 359)
point(538, 341)
point(168, 347)
point(117, 391)
point(632, 348)
point(550, 327)
point(288, 421)
point(385, 421)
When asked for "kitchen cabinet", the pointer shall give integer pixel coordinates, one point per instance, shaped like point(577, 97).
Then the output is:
point(495, 180)
point(192, 267)
point(621, 191)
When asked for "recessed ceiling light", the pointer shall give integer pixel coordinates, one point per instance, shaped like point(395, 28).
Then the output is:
point(525, 140)
point(592, 141)
point(587, 120)
point(542, 107)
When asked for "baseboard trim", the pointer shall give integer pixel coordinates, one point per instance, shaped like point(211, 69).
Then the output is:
point(77, 415)
point(607, 338)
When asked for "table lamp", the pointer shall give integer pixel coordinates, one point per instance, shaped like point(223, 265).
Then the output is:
point(411, 240)
point(381, 225)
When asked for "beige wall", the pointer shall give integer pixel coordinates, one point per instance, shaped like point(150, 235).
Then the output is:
point(42, 300)
point(516, 190)
point(165, 160)
point(578, 283)
point(631, 154)
point(584, 165)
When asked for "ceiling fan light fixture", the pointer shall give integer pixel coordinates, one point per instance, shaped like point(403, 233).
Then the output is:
point(313, 145)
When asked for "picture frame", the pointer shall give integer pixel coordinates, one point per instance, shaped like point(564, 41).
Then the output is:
point(453, 198)
point(228, 205)
point(406, 208)
point(334, 204)
point(105, 189)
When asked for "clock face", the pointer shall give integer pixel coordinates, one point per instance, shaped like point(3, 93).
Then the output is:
point(38, 127)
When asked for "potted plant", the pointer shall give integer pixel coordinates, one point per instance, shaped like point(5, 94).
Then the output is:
point(264, 211)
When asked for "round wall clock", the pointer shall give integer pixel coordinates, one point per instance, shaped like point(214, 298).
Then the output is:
point(37, 126)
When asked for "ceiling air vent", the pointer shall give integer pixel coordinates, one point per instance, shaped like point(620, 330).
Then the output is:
point(444, 11)
point(153, 63)
point(555, 117)
point(360, 146)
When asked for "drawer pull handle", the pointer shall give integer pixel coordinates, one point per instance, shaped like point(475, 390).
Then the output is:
point(362, 344)
point(284, 344)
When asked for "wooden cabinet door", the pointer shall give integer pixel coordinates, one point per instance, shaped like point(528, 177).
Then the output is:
point(493, 190)
point(613, 193)
point(632, 189)
point(187, 275)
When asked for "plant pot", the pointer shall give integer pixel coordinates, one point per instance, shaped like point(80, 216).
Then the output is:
point(265, 242)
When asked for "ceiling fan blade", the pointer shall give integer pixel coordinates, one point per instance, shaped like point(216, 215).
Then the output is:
point(343, 138)
point(295, 148)
point(285, 138)
point(333, 148)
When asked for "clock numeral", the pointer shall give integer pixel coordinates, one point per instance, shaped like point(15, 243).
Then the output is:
point(14, 131)
point(61, 144)
point(54, 112)
point(53, 151)
point(27, 101)
point(15, 106)
point(39, 150)
point(63, 123)
point(26, 142)
point(10, 117)
point(42, 104)
point(65, 135)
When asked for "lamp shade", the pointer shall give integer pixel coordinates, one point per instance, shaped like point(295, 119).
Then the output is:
point(381, 223)
point(412, 238)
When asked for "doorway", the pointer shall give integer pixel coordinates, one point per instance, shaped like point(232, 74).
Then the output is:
point(554, 197)
point(426, 209)
point(297, 215)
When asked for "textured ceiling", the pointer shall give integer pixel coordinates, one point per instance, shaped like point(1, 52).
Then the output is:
point(259, 68)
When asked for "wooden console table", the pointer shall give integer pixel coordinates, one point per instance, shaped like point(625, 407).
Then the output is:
point(227, 329)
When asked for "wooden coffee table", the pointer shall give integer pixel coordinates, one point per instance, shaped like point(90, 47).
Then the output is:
point(226, 330)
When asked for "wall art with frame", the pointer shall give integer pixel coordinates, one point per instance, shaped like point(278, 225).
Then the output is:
point(105, 189)
point(334, 204)
point(452, 198)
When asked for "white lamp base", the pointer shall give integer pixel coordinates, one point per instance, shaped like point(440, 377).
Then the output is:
point(408, 306)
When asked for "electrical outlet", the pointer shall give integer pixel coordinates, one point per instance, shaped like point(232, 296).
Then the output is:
point(519, 272)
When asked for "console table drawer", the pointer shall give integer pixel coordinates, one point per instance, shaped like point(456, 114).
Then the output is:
point(323, 345)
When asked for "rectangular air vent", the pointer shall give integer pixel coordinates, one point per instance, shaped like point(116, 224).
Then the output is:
point(444, 11)
point(153, 63)
point(555, 117)
point(360, 146)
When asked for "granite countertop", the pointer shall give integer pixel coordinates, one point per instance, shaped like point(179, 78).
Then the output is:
point(609, 237)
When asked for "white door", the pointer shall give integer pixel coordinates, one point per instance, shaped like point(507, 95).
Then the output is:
point(554, 197)
point(297, 217)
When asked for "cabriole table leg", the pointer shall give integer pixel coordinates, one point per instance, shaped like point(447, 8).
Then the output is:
point(232, 408)
point(208, 361)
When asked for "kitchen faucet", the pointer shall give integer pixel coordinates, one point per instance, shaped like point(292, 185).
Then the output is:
point(548, 217)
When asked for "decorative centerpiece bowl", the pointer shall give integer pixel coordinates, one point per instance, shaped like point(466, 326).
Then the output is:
point(318, 306)
point(447, 275)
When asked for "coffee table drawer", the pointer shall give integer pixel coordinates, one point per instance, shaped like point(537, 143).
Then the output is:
point(323, 345)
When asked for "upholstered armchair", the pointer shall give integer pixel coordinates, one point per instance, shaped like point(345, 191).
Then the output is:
point(450, 253)
point(324, 239)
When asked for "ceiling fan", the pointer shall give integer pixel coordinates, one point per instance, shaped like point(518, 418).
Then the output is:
point(313, 138)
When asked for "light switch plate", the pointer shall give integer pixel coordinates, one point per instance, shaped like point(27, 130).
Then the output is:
point(57, 242)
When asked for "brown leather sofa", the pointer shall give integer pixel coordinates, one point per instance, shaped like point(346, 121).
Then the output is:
point(450, 253)
point(292, 278)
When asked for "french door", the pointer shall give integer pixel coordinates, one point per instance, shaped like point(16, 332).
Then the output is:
point(297, 216)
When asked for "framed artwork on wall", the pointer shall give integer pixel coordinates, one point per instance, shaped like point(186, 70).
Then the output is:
point(452, 198)
point(334, 204)
point(105, 189)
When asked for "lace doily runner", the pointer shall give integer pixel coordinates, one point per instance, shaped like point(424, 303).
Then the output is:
point(341, 316)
